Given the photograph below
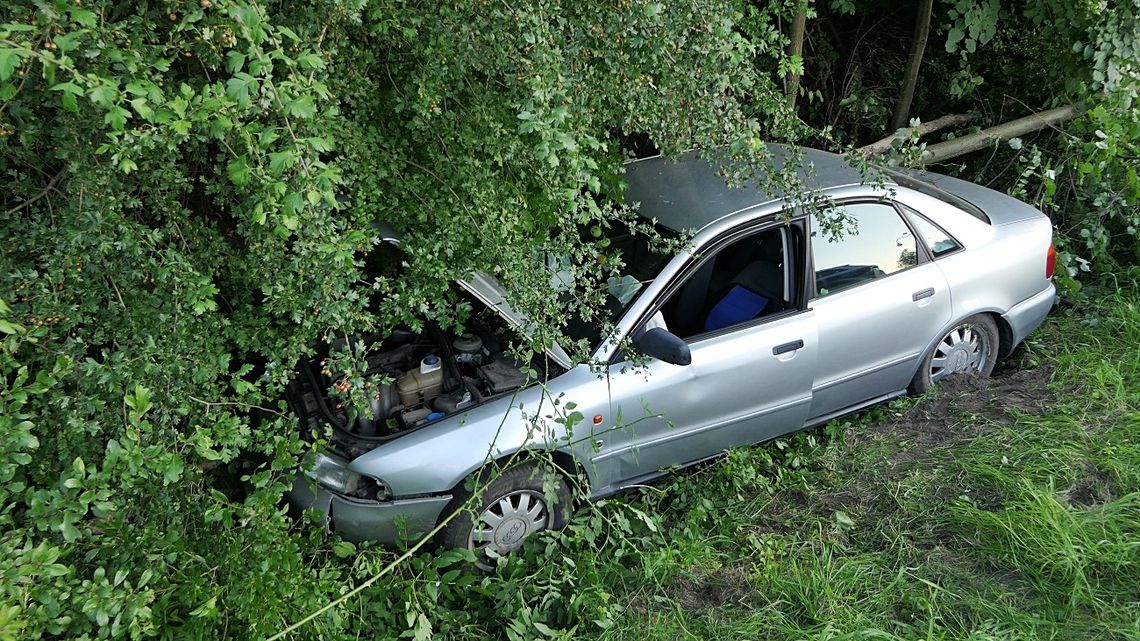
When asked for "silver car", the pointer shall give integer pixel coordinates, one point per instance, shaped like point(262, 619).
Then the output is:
point(764, 325)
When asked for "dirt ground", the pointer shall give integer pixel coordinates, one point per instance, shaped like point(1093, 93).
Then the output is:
point(958, 410)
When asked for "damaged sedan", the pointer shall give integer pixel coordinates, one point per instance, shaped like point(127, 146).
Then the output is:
point(763, 325)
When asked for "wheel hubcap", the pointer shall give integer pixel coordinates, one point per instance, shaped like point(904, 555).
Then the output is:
point(964, 349)
point(506, 522)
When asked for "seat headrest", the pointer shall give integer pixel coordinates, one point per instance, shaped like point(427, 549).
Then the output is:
point(772, 249)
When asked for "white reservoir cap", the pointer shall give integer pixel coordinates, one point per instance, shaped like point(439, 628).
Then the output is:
point(430, 363)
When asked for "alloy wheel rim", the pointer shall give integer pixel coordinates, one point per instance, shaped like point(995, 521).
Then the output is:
point(964, 349)
point(505, 524)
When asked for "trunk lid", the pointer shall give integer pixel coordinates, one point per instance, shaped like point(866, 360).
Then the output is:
point(998, 207)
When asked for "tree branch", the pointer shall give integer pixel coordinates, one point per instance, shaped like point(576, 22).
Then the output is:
point(29, 202)
point(945, 122)
point(973, 142)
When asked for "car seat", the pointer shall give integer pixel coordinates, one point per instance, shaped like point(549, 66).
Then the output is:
point(756, 289)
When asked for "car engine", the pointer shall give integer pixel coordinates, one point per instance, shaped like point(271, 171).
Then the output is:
point(413, 379)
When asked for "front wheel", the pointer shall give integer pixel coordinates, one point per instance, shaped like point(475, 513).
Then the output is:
point(510, 508)
point(971, 346)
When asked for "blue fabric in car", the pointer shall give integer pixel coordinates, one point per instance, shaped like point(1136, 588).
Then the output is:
point(738, 305)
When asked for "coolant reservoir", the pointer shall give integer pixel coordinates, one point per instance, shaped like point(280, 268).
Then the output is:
point(418, 386)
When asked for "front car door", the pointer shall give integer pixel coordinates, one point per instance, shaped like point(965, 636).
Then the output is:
point(751, 373)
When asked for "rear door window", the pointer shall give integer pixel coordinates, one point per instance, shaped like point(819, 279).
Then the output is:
point(878, 245)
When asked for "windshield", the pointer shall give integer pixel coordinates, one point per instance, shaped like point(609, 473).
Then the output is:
point(638, 257)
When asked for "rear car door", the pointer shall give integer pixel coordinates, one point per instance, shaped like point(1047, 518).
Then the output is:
point(878, 302)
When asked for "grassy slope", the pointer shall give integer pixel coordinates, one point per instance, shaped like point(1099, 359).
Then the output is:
point(1006, 509)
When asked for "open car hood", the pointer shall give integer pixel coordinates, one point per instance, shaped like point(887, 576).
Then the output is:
point(490, 292)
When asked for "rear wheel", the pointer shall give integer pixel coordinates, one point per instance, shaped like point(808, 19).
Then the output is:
point(970, 347)
point(509, 509)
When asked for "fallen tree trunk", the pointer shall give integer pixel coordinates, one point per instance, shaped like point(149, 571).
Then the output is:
point(984, 138)
point(953, 120)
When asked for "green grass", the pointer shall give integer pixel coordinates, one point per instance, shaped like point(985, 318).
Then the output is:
point(1000, 510)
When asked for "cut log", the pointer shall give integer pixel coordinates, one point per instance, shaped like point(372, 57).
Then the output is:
point(945, 122)
point(986, 137)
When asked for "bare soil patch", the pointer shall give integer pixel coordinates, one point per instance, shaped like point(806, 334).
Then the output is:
point(1092, 488)
point(960, 408)
point(713, 589)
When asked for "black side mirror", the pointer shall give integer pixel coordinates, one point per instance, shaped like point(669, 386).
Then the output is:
point(664, 346)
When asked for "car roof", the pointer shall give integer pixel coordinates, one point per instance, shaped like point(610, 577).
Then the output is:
point(689, 192)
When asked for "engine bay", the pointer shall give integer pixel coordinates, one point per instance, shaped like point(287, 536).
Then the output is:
point(411, 379)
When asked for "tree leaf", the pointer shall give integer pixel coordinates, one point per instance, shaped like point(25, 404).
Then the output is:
point(142, 109)
point(302, 107)
point(953, 37)
point(238, 171)
point(239, 87)
point(311, 61)
point(103, 95)
point(9, 60)
point(117, 118)
point(83, 17)
point(279, 161)
point(68, 87)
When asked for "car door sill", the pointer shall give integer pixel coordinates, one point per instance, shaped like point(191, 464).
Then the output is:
point(643, 479)
point(674, 435)
point(820, 420)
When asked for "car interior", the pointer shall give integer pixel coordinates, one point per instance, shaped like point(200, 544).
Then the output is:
point(746, 280)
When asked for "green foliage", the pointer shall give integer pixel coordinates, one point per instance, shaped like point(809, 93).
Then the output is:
point(970, 23)
point(189, 195)
point(190, 191)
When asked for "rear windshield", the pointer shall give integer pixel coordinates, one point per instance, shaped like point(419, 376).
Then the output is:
point(921, 186)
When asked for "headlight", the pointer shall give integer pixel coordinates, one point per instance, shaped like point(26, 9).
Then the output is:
point(332, 472)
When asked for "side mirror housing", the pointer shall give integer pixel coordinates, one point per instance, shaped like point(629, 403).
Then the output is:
point(663, 346)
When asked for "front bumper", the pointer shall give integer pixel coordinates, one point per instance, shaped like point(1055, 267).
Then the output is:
point(1028, 315)
point(389, 522)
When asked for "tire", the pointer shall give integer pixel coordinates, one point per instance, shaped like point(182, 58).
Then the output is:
point(971, 346)
point(511, 508)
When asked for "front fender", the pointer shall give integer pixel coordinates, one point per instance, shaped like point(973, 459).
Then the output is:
point(438, 457)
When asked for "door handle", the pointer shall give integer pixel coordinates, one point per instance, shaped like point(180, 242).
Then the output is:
point(922, 293)
point(787, 347)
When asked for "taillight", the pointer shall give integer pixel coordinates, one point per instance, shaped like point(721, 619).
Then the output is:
point(1050, 261)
